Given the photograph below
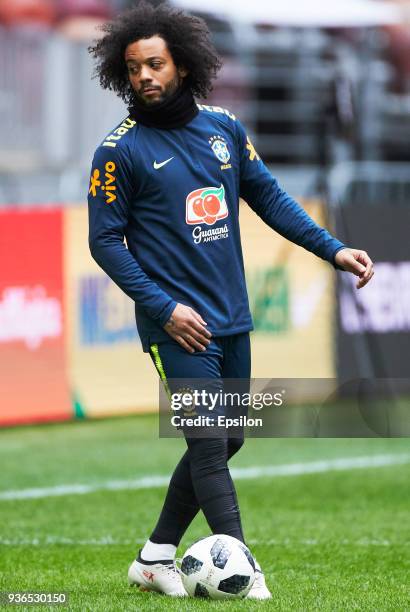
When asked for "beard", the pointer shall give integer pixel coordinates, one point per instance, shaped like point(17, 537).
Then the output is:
point(168, 91)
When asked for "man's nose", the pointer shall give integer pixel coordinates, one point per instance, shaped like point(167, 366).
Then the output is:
point(145, 74)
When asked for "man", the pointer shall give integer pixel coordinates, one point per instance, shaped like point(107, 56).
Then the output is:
point(169, 179)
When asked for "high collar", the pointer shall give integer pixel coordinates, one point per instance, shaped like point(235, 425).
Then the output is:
point(174, 112)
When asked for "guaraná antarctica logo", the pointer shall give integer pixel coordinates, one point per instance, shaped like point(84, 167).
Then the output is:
point(206, 206)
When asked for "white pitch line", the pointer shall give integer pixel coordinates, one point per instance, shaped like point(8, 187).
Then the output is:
point(108, 540)
point(154, 482)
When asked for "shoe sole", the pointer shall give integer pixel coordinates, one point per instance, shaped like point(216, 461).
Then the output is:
point(146, 589)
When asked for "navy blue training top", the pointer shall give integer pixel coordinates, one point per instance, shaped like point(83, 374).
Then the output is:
point(174, 195)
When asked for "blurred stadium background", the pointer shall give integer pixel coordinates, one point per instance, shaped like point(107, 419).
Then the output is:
point(324, 91)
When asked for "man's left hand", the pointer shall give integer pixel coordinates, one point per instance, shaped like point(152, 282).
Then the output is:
point(357, 262)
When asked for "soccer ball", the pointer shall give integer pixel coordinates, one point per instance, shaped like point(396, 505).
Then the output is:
point(218, 567)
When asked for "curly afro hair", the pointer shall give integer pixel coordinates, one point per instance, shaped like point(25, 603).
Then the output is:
point(187, 38)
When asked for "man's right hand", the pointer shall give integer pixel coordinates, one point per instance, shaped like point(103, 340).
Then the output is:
point(188, 328)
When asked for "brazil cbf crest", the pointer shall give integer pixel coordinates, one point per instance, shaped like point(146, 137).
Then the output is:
point(220, 148)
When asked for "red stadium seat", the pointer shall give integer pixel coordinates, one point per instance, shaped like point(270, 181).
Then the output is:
point(20, 12)
point(99, 9)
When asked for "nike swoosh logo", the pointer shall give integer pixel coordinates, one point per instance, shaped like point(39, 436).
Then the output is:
point(158, 166)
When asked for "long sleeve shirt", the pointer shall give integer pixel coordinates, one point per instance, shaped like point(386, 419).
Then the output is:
point(173, 195)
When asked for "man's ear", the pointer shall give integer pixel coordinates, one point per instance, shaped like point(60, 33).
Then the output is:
point(182, 72)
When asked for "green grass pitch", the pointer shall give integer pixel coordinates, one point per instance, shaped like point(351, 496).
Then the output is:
point(337, 540)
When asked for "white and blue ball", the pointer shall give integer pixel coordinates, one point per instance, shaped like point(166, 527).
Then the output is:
point(218, 567)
